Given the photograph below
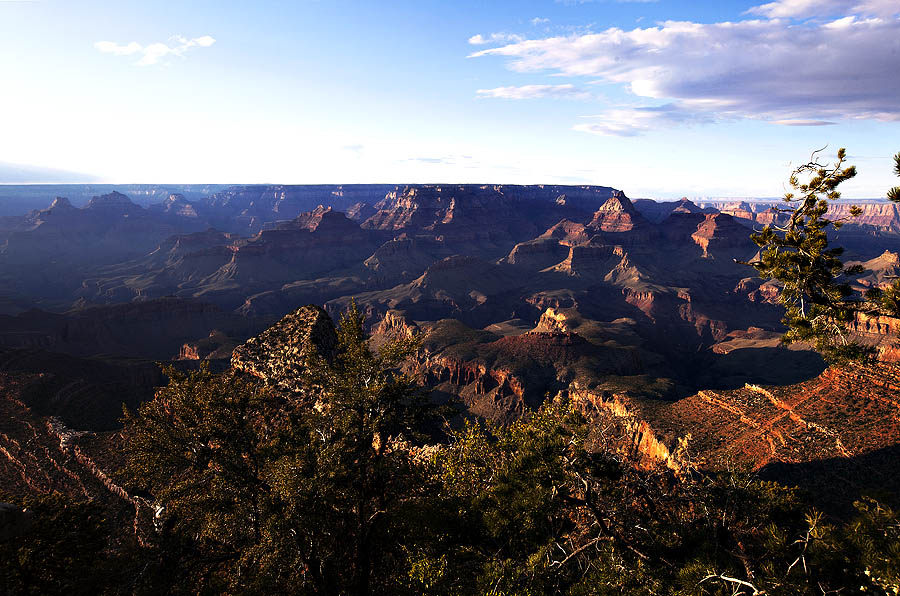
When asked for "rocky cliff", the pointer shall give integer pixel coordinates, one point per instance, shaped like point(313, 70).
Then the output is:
point(456, 214)
point(248, 209)
point(878, 215)
point(847, 418)
point(277, 355)
point(149, 329)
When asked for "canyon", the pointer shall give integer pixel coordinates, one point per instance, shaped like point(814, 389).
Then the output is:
point(640, 312)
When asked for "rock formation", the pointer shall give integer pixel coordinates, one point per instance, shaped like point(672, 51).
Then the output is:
point(277, 355)
point(616, 215)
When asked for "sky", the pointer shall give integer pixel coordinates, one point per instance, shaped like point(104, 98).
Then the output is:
point(661, 99)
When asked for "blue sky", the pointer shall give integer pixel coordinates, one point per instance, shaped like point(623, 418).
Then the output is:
point(661, 99)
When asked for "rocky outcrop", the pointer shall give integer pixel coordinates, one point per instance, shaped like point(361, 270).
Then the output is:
point(630, 434)
point(596, 261)
point(278, 354)
point(113, 202)
point(617, 215)
point(719, 233)
point(757, 290)
point(554, 321)
point(568, 233)
point(616, 222)
point(403, 257)
point(537, 254)
point(360, 212)
point(60, 204)
point(879, 331)
point(395, 325)
point(493, 393)
point(215, 347)
point(307, 246)
point(879, 272)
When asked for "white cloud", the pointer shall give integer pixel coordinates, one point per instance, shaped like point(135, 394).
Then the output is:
point(119, 50)
point(478, 40)
point(154, 52)
point(825, 8)
point(566, 91)
point(803, 122)
point(539, 21)
point(791, 73)
point(629, 122)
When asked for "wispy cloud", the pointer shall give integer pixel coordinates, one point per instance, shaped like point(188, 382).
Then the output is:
point(824, 8)
point(478, 40)
point(807, 73)
point(154, 52)
point(539, 21)
point(566, 91)
point(629, 122)
point(804, 122)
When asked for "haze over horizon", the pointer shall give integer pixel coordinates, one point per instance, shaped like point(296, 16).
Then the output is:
point(658, 98)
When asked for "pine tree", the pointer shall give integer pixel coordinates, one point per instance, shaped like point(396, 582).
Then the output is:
point(818, 299)
point(815, 288)
point(261, 492)
point(887, 300)
point(894, 193)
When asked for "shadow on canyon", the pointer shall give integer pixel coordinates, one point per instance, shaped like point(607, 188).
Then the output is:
point(759, 366)
point(833, 484)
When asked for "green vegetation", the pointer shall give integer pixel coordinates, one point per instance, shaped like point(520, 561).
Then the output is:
point(815, 288)
point(61, 553)
point(332, 492)
point(549, 510)
point(894, 193)
point(338, 489)
point(261, 493)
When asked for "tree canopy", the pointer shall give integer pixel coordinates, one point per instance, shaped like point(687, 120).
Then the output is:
point(258, 491)
point(338, 490)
